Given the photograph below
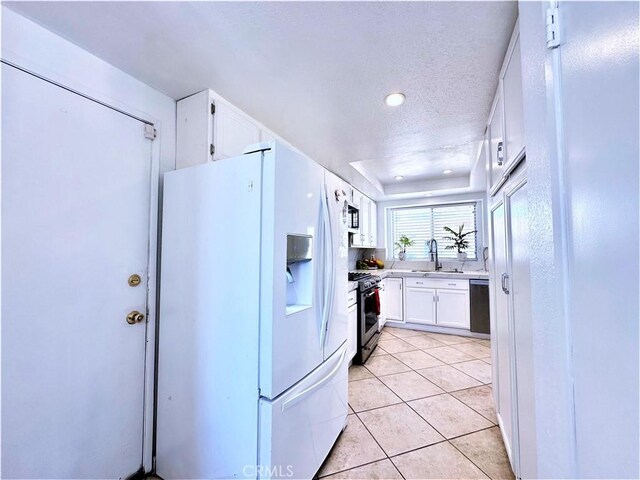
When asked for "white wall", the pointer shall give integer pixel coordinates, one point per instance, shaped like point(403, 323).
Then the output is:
point(581, 132)
point(35, 49)
point(600, 109)
point(481, 224)
point(552, 381)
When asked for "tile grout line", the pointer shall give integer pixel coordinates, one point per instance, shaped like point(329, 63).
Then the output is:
point(471, 460)
point(429, 396)
point(402, 401)
point(376, 440)
point(452, 391)
point(483, 416)
point(477, 359)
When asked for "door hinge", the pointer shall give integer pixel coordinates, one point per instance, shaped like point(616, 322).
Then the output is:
point(250, 185)
point(213, 108)
point(553, 28)
point(212, 149)
point(150, 132)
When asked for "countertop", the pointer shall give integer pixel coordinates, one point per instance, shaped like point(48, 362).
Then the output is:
point(386, 272)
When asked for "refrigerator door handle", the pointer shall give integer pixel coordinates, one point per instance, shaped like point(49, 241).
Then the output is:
point(319, 384)
point(332, 277)
point(326, 268)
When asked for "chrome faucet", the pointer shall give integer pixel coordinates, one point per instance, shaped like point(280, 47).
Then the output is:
point(433, 252)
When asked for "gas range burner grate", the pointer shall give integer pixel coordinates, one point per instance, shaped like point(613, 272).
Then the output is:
point(355, 276)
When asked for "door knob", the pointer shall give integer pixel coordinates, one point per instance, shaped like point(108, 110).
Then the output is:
point(134, 317)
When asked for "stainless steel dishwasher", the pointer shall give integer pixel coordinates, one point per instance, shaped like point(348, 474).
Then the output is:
point(479, 306)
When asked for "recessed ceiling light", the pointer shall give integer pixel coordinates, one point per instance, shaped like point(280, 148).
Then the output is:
point(428, 194)
point(394, 99)
point(447, 171)
point(398, 177)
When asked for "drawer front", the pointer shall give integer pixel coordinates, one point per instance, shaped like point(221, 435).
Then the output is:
point(451, 284)
point(416, 282)
point(352, 297)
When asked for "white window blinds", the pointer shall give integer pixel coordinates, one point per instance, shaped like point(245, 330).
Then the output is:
point(421, 224)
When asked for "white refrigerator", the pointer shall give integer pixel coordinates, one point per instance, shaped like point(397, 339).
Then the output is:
point(252, 369)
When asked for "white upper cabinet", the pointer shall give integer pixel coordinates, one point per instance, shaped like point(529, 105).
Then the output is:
point(505, 128)
point(232, 131)
point(373, 223)
point(209, 128)
point(367, 235)
point(365, 215)
point(512, 94)
point(495, 143)
point(357, 239)
point(194, 130)
point(267, 135)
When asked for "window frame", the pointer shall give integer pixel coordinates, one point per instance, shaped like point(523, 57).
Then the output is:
point(479, 219)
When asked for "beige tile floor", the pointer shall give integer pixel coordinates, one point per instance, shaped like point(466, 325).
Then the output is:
point(421, 408)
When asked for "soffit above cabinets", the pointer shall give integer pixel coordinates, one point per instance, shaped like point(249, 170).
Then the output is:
point(317, 72)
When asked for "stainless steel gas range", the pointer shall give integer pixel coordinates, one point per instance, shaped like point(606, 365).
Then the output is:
point(368, 313)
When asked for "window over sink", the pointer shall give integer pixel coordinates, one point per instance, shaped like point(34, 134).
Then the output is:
point(422, 223)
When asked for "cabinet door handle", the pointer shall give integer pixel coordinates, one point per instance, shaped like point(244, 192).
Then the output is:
point(500, 154)
point(452, 284)
point(503, 281)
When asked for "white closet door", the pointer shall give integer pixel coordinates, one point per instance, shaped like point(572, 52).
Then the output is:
point(502, 336)
point(520, 284)
point(75, 206)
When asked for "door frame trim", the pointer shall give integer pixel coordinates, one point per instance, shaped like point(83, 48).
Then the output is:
point(69, 89)
point(49, 76)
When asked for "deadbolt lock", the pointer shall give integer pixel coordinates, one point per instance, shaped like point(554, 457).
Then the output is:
point(134, 317)
point(134, 280)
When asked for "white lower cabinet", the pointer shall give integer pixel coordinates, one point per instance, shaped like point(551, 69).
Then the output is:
point(394, 307)
point(420, 305)
point(382, 318)
point(453, 308)
point(435, 301)
point(352, 331)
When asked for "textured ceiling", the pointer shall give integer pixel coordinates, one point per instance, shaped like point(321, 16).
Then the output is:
point(317, 72)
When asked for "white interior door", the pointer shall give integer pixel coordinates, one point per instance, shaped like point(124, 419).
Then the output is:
point(75, 211)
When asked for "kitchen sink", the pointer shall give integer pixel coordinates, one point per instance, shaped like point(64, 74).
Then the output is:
point(455, 270)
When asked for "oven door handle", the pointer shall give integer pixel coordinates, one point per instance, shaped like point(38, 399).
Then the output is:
point(371, 294)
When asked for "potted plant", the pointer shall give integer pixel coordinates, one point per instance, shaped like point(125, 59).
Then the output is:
point(402, 244)
point(460, 243)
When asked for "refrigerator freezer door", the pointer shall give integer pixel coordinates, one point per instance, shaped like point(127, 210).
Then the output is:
point(298, 429)
point(337, 324)
point(209, 313)
point(290, 305)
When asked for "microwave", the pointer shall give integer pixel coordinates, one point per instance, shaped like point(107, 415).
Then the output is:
point(353, 218)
